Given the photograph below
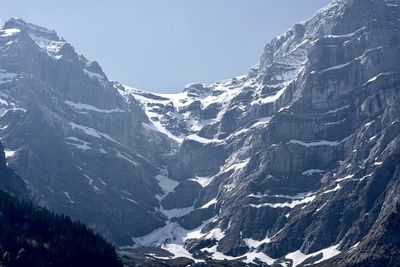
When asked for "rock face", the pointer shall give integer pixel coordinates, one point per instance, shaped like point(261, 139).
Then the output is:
point(298, 159)
point(295, 163)
point(9, 181)
point(83, 147)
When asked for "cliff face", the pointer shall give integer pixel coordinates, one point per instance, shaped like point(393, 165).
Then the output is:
point(297, 159)
point(294, 163)
point(82, 148)
point(9, 181)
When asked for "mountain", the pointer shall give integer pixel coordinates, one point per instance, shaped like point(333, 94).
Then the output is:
point(295, 163)
point(82, 147)
point(33, 236)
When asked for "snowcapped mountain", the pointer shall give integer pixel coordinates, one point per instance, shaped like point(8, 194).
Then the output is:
point(82, 148)
point(294, 163)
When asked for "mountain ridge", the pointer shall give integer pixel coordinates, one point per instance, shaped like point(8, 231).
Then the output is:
point(287, 165)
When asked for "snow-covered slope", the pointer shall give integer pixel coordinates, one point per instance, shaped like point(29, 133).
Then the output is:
point(294, 163)
point(283, 160)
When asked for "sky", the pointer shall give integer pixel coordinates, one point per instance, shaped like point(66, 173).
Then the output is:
point(162, 45)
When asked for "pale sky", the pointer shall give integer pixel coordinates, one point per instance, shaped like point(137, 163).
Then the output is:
point(162, 45)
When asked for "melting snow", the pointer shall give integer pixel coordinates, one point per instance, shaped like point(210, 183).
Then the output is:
point(119, 155)
point(9, 153)
point(298, 257)
point(337, 188)
point(252, 256)
point(9, 32)
point(176, 213)
point(86, 130)
point(216, 234)
point(130, 200)
point(313, 171)
point(178, 251)
point(91, 131)
point(268, 99)
point(203, 181)
point(261, 121)
point(337, 109)
point(251, 243)
point(172, 232)
point(291, 205)
point(337, 67)
point(155, 125)
point(78, 143)
point(81, 106)
point(373, 79)
point(209, 203)
point(167, 185)
point(235, 166)
point(316, 143)
point(345, 178)
point(51, 47)
point(101, 181)
point(200, 139)
point(69, 197)
point(90, 180)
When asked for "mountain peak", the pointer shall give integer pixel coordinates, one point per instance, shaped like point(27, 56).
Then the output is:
point(39, 31)
point(47, 40)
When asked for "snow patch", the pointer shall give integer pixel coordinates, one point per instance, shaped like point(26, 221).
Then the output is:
point(9, 153)
point(312, 172)
point(252, 244)
point(130, 200)
point(91, 132)
point(178, 251)
point(81, 106)
point(9, 32)
point(209, 203)
point(373, 79)
point(167, 184)
point(69, 197)
point(203, 181)
point(337, 67)
point(78, 143)
point(290, 205)
point(176, 213)
point(345, 178)
point(298, 257)
point(119, 155)
point(199, 139)
point(315, 143)
point(85, 129)
point(51, 47)
point(268, 99)
point(337, 109)
point(337, 188)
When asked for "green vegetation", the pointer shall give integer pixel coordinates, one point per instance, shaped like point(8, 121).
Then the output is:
point(35, 237)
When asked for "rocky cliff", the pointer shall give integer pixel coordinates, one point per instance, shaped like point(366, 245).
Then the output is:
point(294, 163)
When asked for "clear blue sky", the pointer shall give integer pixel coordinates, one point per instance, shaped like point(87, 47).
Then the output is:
point(161, 45)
